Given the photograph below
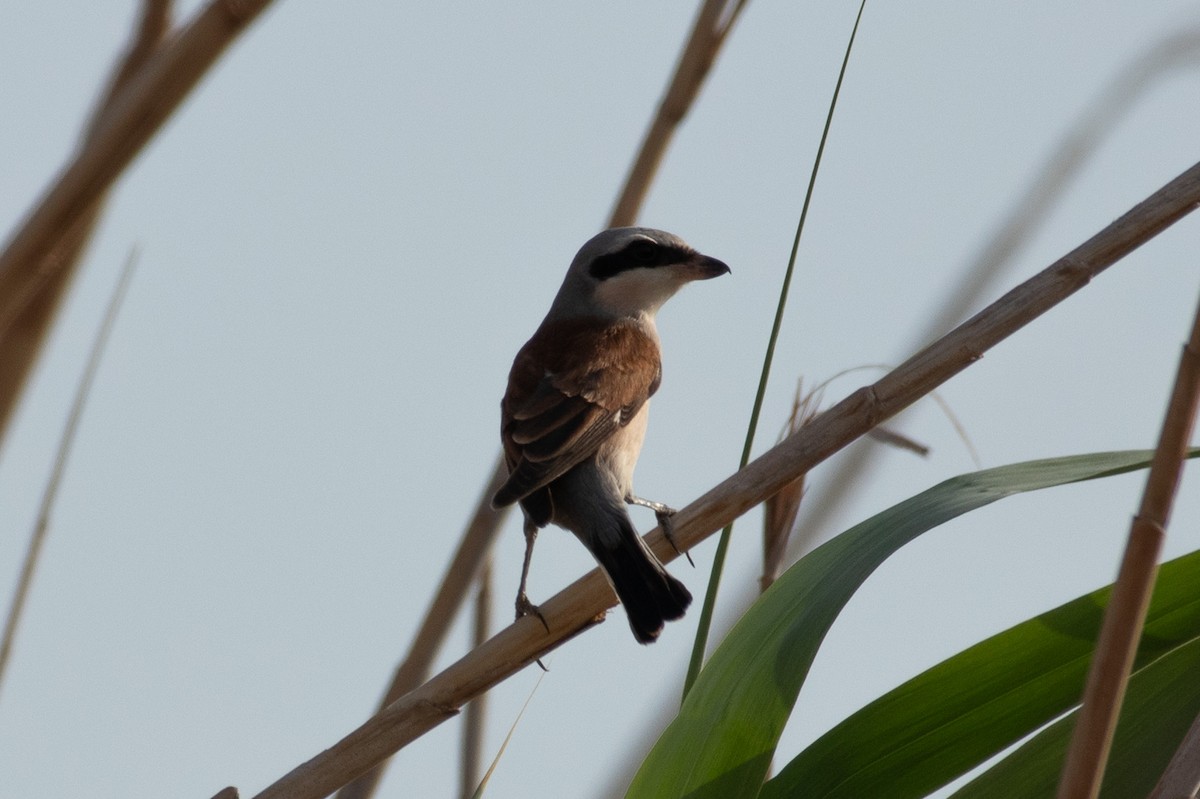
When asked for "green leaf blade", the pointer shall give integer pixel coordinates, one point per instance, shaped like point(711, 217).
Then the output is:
point(722, 742)
point(956, 715)
point(1162, 700)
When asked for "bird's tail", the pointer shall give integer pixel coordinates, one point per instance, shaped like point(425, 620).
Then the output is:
point(650, 595)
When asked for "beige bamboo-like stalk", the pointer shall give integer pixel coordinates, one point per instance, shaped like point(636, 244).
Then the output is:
point(714, 21)
point(1125, 615)
point(583, 603)
point(29, 263)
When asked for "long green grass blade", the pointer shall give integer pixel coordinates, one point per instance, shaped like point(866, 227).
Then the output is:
point(700, 644)
point(1160, 704)
point(722, 741)
point(949, 719)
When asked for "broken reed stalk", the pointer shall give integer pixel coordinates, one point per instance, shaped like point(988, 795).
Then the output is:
point(40, 297)
point(713, 23)
point(780, 511)
point(583, 603)
point(1125, 615)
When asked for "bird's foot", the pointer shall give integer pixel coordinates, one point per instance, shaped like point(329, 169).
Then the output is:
point(527, 608)
point(667, 523)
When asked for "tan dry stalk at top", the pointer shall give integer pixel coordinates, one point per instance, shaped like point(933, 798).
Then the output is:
point(583, 603)
point(1126, 612)
point(713, 23)
point(36, 262)
point(22, 340)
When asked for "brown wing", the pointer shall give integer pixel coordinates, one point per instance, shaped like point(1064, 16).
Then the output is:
point(571, 387)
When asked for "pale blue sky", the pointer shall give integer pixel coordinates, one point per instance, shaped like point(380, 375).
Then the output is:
point(362, 213)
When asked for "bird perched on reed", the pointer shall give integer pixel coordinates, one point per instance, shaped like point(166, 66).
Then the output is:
point(574, 415)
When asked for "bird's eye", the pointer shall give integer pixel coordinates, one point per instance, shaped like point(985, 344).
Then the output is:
point(643, 252)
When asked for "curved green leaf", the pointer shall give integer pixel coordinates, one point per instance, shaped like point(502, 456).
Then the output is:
point(722, 741)
point(949, 719)
point(1162, 700)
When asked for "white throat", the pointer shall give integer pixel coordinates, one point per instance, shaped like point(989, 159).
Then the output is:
point(637, 293)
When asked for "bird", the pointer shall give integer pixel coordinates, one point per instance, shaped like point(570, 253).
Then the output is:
point(574, 414)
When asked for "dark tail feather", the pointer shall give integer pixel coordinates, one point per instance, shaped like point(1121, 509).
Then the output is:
point(650, 595)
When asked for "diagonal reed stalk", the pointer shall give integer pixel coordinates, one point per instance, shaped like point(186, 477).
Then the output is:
point(582, 604)
point(1126, 612)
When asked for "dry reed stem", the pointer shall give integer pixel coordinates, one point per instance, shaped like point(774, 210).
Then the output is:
point(713, 24)
point(1126, 612)
point(780, 510)
point(40, 298)
point(1027, 213)
point(136, 112)
point(583, 603)
point(476, 712)
point(1181, 779)
point(38, 537)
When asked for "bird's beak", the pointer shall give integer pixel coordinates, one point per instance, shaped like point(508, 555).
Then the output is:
point(703, 267)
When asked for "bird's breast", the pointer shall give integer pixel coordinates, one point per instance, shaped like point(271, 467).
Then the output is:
point(619, 454)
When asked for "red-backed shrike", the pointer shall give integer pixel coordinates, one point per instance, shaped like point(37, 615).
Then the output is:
point(574, 415)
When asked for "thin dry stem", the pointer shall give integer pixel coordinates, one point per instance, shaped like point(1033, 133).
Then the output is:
point(41, 296)
point(476, 712)
point(583, 603)
point(38, 536)
point(1126, 611)
point(1181, 779)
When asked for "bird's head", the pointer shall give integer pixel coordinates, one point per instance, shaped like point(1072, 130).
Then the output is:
point(631, 271)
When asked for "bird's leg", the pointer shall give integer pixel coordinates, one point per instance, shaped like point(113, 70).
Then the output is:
point(663, 514)
point(524, 606)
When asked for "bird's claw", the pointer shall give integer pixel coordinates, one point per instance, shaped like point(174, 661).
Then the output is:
point(527, 608)
point(668, 527)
